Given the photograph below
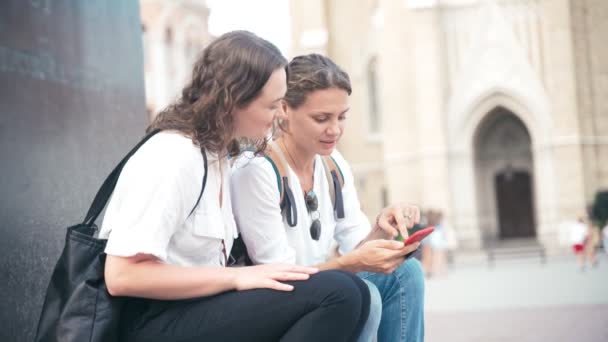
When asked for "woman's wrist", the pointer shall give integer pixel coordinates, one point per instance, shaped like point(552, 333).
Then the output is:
point(349, 261)
point(232, 276)
point(377, 232)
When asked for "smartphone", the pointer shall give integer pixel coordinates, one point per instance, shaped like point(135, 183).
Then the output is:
point(419, 235)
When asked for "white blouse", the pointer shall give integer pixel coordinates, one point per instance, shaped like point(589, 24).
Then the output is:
point(157, 189)
point(269, 239)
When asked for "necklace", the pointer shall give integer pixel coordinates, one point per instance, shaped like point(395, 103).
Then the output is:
point(297, 166)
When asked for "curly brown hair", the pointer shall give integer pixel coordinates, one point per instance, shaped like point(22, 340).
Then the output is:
point(229, 74)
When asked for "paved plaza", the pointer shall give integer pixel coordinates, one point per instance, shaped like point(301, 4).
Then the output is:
point(519, 300)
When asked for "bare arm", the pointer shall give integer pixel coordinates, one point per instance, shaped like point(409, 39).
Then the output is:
point(145, 276)
point(381, 256)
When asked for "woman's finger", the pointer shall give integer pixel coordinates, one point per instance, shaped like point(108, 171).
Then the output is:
point(384, 224)
point(276, 285)
point(290, 276)
point(400, 218)
point(417, 215)
point(388, 244)
point(302, 269)
point(409, 248)
point(412, 215)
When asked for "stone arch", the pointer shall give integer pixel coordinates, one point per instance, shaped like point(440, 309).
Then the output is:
point(490, 99)
point(504, 176)
point(464, 197)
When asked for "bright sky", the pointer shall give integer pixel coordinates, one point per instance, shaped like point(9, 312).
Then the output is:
point(268, 19)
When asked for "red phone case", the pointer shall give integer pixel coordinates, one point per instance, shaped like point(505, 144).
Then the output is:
point(419, 235)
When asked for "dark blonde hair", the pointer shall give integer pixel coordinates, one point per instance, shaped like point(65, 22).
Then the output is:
point(308, 73)
point(229, 74)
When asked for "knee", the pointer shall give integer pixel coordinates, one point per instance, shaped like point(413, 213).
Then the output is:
point(339, 288)
point(411, 277)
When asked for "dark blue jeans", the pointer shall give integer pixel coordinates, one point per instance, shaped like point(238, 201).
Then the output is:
point(330, 306)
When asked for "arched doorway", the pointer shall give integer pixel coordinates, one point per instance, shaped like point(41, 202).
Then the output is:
point(504, 177)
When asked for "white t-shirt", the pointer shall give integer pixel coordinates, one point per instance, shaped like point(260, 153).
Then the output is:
point(157, 189)
point(578, 233)
point(269, 238)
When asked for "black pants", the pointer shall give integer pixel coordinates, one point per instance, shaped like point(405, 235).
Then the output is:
point(330, 306)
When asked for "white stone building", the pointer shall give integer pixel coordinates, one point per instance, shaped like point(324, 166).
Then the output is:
point(495, 111)
point(174, 32)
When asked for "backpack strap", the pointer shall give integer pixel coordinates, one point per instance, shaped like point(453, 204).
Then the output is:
point(335, 179)
point(330, 181)
point(333, 166)
point(287, 201)
point(274, 155)
point(200, 195)
point(105, 191)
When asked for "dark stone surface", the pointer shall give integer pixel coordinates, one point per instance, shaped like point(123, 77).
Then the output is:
point(72, 103)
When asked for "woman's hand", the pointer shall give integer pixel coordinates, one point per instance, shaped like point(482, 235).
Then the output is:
point(396, 219)
point(380, 256)
point(270, 276)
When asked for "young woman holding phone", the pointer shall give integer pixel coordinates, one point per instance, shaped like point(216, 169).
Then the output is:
point(316, 106)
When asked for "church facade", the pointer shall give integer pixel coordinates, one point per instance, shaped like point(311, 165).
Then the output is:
point(173, 34)
point(494, 111)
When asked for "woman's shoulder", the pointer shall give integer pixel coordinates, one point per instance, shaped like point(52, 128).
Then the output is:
point(250, 169)
point(250, 163)
point(342, 163)
point(166, 151)
point(339, 159)
point(171, 141)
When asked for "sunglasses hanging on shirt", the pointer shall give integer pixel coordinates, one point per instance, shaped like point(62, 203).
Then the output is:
point(312, 205)
point(335, 180)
